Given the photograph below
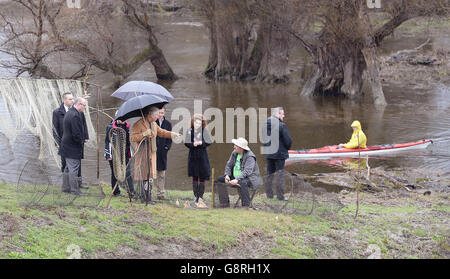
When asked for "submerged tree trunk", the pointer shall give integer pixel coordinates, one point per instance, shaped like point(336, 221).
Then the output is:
point(245, 46)
point(347, 45)
point(338, 69)
point(339, 60)
point(162, 68)
point(138, 14)
point(275, 54)
point(232, 31)
point(377, 93)
point(212, 61)
point(370, 57)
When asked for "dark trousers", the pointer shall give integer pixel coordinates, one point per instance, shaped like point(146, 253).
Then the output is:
point(71, 180)
point(63, 166)
point(129, 178)
point(198, 187)
point(275, 171)
point(224, 198)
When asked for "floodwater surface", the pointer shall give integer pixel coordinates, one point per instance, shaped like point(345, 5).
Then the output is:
point(411, 114)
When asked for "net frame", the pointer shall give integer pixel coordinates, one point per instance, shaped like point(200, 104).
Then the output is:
point(302, 197)
point(118, 143)
point(41, 190)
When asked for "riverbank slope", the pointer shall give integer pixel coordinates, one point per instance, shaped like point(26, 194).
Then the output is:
point(390, 224)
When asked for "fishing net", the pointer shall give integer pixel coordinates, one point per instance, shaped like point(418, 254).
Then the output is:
point(26, 128)
point(302, 197)
point(118, 140)
point(30, 191)
point(40, 185)
point(28, 104)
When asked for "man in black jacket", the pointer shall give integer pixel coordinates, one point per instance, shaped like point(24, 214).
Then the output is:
point(72, 145)
point(86, 138)
point(162, 147)
point(57, 119)
point(277, 142)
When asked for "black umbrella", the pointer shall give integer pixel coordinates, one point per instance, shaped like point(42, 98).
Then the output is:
point(136, 106)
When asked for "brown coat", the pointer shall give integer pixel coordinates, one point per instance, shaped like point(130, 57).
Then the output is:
point(141, 159)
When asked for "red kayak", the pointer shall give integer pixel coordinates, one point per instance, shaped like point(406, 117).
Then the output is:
point(337, 151)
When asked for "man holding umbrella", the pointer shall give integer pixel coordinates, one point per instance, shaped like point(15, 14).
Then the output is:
point(145, 162)
point(144, 99)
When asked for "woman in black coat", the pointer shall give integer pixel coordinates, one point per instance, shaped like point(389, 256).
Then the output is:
point(197, 139)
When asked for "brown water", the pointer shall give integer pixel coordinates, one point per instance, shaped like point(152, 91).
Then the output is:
point(313, 122)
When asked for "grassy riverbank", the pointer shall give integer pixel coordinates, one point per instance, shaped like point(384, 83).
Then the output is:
point(399, 224)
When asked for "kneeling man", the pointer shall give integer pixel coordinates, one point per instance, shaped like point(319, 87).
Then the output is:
point(241, 171)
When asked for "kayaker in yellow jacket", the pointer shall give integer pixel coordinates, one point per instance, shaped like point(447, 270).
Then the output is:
point(358, 136)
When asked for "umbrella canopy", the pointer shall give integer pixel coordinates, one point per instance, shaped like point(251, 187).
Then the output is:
point(136, 106)
point(136, 88)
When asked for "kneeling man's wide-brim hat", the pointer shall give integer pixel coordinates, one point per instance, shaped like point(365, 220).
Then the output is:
point(241, 142)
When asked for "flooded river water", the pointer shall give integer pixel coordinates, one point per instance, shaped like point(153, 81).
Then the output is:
point(411, 114)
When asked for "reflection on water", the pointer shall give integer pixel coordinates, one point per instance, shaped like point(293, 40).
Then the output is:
point(411, 115)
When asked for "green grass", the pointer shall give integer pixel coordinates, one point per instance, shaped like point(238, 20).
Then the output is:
point(48, 232)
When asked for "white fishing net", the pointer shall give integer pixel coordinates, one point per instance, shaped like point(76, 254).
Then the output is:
point(28, 104)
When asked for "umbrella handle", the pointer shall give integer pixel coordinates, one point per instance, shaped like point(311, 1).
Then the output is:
point(148, 173)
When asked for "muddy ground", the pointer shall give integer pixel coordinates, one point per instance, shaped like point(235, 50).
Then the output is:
point(391, 223)
point(416, 242)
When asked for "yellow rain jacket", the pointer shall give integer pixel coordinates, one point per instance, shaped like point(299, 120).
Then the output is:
point(353, 143)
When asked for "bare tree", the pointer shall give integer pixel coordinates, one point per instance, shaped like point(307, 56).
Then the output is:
point(140, 14)
point(248, 39)
point(345, 46)
point(27, 38)
point(271, 53)
point(95, 35)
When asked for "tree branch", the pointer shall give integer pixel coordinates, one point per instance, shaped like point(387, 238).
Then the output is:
point(311, 49)
point(389, 27)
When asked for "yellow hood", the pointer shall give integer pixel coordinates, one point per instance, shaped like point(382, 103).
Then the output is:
point(356, 124)
point(358, 137)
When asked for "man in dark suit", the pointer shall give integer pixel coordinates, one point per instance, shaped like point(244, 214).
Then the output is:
point(57, 119)
point(162, 147)
point(277, 142)
point(86, 138)
point(72, 145)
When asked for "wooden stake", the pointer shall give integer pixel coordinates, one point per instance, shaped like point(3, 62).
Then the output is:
point(368, 167)
point(112, 193)
point(212, 188)
point(98, 139)
point(358, 183)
